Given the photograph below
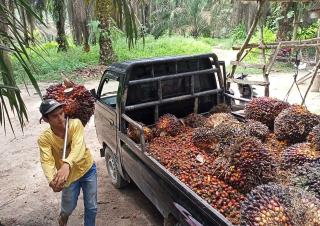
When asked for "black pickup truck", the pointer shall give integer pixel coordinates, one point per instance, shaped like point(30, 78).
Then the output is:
point(142, 91)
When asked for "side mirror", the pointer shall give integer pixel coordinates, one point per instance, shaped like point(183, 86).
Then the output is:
point(94, 93)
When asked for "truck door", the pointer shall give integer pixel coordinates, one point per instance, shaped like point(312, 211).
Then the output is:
point(105, 112)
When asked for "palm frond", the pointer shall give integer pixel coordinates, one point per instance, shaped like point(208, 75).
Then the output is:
point(127, 17)
point(12, 42)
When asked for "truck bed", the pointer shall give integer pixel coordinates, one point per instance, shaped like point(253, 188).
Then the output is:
point(170, 184)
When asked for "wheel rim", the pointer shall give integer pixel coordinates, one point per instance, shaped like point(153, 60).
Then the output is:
point(112, 169)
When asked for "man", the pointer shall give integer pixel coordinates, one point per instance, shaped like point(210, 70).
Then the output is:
point(76, 171)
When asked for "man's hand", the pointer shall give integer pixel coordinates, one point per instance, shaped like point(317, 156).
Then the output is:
point(54, 187)
point(60, 178)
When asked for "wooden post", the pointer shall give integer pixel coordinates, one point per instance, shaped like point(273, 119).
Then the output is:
point(261, 5)
point(263, 56)
point(273, 58)
point(316, 85)
point(311, 82)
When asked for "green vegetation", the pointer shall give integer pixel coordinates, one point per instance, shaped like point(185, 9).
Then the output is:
point(50, 67)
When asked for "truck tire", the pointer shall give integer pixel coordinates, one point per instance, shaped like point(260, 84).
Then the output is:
point(113, 172)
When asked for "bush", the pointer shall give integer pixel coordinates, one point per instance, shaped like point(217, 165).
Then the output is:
point(239, 32)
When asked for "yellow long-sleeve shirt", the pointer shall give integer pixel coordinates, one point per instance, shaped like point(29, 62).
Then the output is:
point(78, 155)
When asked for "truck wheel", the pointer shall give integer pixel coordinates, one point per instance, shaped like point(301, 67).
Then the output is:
point(113, 172)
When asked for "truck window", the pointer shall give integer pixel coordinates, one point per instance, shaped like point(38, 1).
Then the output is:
point(109, 91)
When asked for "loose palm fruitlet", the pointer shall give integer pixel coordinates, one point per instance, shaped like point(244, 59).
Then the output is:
point(294, 124)
point(245, 165)
point(169, 124)
point(79, 102)
point(134, 133)
point(314, 137)
point(257, 129)
point(181, 157)
point(195, 120)
point(307, 177)
point(218, 118)
point(299, 154)
point(279, 205)
point(265, 110)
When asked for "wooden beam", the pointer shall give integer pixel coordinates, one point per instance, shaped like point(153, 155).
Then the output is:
point(247, 82)
point(283, 43)
point(245, 65)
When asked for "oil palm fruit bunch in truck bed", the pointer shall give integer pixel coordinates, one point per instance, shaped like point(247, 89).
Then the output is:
point(257, 129)
point(79, 102)
point(280, 205)
point(306, 177)
point(194, 120)
point(215, 140)
point(294, 124)
point(265, 110)
point(299, 154)
point(245, 165)
point(314, 137)
point(134, 133)
point(218, 118)
point(169, 124)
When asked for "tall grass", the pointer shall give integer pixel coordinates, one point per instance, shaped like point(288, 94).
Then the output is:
point(50, 66)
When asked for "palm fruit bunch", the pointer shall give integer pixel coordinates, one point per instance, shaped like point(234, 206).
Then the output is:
point(134, 133)
point(169, 124)
point(218, 118)
point(197, 175)
point(79, 102)
point(228, 133)
point(263, 206)
point(306, 177)
point(220, 108)
point(299, 154)
point(205, 139)
point(275, 146)
point(314, 137)
point(265, 110)
point(294, 124)
point(194, 120)
point(257, 129)
point(215, 140)
point(278, 205)
point(245, 165)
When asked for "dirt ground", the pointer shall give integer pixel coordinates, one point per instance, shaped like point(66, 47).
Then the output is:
point(26, 199)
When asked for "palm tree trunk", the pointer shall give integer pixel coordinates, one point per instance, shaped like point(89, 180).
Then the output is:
point(60, 17)
point(30, 20)
point(104, 9)
point(6, 70)
point(25, 26)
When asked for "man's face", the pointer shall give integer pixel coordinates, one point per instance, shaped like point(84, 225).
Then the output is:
point(56, 117)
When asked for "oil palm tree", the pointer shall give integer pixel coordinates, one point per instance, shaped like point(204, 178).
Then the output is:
point(59, 16)
point(125, 16)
